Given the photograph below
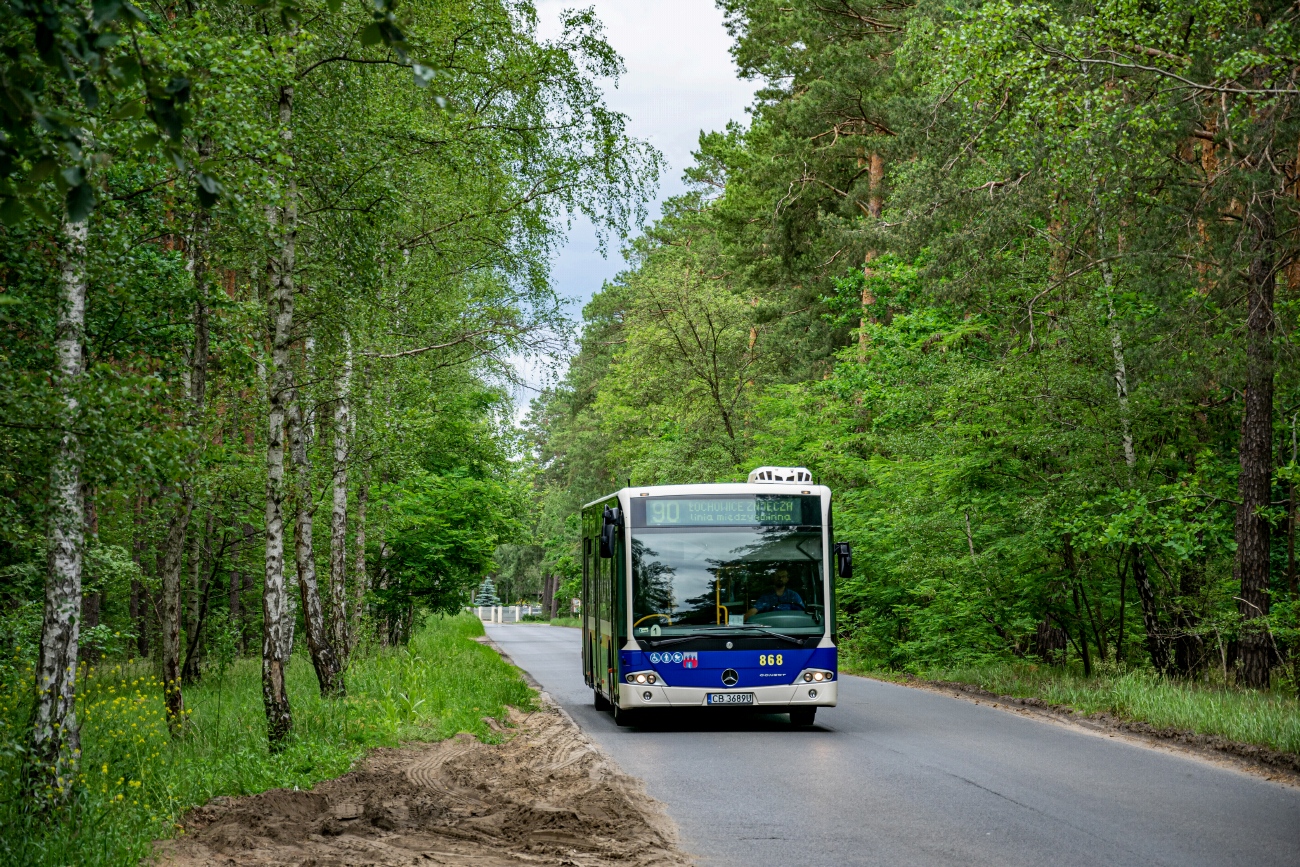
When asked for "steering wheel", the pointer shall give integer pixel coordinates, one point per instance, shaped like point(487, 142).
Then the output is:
point(648, 616)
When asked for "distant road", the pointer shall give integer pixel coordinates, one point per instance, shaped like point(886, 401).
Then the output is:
point(897, 776)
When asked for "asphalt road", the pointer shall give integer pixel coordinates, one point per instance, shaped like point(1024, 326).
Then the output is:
point(898, 776)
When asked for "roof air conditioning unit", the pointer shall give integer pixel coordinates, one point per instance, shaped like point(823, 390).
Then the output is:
point(772, 475)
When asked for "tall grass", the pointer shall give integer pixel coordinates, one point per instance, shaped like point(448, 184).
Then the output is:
point(137, 781)
point(575, 622)
point(1268, 719)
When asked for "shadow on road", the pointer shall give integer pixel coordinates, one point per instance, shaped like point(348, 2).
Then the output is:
point(691, 720)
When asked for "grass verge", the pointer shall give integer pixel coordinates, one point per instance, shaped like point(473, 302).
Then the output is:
point(137, 781)
point(1266, 719)
point(575, 622)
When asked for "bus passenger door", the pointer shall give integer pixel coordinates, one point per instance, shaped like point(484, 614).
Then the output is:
point(598, 615)
point(584, 599)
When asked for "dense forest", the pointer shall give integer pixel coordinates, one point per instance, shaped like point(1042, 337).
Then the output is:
point(1019, 282)
point(261, 267)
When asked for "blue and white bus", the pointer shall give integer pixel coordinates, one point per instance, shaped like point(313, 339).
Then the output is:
point(712, 596)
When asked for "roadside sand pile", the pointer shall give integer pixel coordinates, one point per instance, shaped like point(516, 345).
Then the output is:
point(545, 796)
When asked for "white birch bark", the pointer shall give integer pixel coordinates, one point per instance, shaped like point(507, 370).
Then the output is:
point(56, 738)
point(1116, 342)
point(318, 642)
point(339, 517)
point(1156, 645)
point(276, 621)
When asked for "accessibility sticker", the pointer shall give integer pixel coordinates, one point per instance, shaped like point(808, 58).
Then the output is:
point(654, 659)
point(677, 657)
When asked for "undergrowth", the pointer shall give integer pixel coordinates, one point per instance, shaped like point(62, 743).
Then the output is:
point(1263, 718)
point(575, 622)
point(137, 781)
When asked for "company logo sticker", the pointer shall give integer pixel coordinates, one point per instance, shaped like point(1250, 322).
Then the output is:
point(690, 660)
point(654, 659)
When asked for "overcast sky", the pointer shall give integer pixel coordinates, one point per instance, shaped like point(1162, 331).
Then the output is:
point(678, 80)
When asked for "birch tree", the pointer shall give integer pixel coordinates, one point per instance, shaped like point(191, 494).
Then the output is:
point(339, 514)
point(276, 626)
point(56, 744)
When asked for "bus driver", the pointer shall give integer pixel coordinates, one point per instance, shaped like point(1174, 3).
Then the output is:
point(782, 598)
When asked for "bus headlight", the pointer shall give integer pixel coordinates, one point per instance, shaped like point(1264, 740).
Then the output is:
point(641, 678)
point(815, 675)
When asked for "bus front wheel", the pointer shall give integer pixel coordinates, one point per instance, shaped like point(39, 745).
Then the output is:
point(804, 716)
point(602, 703)
point(624, 716)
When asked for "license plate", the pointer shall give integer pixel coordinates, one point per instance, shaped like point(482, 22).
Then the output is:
point(731, 698)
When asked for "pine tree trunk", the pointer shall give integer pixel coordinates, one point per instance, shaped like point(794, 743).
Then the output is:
point(1075, 582)
point(192, 617)
point(172, 556)
point(56, 738)
point(1123, 608)
point(1292, 576)
point(875, 166)
point(277, 625)
point(178, 526)
point(204, 575)
point(339, 518)
point(234, 590)
point(1156, 644)
point(1256, 455)
point(313, 617)
point(139, 597)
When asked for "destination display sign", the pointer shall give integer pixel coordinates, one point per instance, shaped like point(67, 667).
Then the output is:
point(729, 511)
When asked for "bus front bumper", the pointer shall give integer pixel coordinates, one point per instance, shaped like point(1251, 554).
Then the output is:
point(772, 699)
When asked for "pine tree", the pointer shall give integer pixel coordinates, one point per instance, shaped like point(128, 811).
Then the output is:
point(487, 593)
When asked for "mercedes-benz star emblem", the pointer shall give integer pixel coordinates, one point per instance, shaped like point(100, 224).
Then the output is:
point(729, 677)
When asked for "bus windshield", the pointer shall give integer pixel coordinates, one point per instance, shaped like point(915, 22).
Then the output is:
point(713, 579)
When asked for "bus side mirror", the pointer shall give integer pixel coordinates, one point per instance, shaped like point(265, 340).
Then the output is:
point(609, 532)
point(845, 555)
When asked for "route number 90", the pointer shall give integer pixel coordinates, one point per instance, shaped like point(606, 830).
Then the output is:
point(662, 512)
point(771, 659)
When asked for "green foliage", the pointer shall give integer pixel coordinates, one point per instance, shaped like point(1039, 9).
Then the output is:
point(217, 154)
point(441, 536)
point(918, 272)
point(138, 782)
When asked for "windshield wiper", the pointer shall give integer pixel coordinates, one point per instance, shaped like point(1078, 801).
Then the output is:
point(767, 630)
point(677, 640)
point(710, 631)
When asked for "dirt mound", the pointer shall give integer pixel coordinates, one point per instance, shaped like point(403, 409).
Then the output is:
point(545, 796)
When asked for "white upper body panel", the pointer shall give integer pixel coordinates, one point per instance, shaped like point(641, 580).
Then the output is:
point(626, 495)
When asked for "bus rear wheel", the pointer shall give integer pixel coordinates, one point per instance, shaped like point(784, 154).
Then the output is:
point(804, 716)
